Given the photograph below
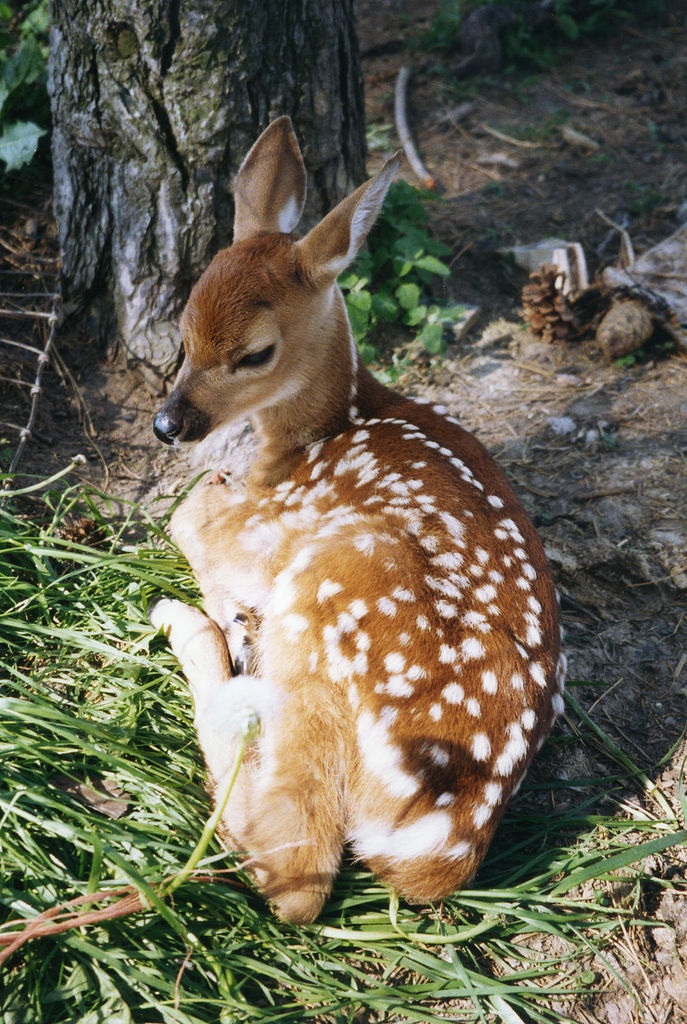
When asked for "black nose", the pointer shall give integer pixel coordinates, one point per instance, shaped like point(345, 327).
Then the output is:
point(166, 427)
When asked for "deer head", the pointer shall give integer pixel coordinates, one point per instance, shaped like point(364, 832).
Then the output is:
point(265, 326)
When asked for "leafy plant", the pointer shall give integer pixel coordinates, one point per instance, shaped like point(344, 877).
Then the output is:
point(391, 281)
point(24, 109)
point(537, 41)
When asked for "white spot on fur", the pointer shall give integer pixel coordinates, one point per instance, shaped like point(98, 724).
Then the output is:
point(528, 719)
point(398, 686)
point(357, 608)
point(365, 543)
point(362, 641)
point(445, 800)
point(471, 648)
point(422, 622)
point(454, 527)
point(459, 850)
point(446, 610)
point(284, 593)
point(533, 636)
point(386, 606)
point(416, 672)
point(516, 681)
point(328, 588)
point(537, 673)
point(450, 560)
point(443, 586)
point(401, 594)
point(435, 712)
point(382, 758)
point(492, 793)
point(447, 654)
point(453, 693)
point(394, 662)
point(421, 838)
point(490, 683)
point(494, 501)
point(438, 755)
point(388, 715)
point(558, 704)
point(294, 625)
point(514, 750)
point(473, 708)
point(481, 815)
point(481, 747)
point(477, 621)
point(486, 593)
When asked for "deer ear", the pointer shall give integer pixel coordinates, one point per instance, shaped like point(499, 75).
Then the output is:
point(269, 191)
point(333, 244)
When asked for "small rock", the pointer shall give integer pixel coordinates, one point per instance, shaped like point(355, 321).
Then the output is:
point(562, 425)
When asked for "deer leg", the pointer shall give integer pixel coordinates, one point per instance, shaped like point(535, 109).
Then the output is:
point(285, 810)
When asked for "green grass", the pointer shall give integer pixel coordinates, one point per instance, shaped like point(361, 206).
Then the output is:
point(88, 691)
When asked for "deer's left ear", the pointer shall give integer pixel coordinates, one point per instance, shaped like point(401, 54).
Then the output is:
point(333, 244)
point(269, 191)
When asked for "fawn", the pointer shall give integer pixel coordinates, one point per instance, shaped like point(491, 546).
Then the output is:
point(406, 660)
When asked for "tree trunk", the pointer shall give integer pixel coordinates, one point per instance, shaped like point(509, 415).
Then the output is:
point(155, 103)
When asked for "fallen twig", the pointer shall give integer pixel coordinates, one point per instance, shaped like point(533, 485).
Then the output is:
point(521, 143)
point(400, 117)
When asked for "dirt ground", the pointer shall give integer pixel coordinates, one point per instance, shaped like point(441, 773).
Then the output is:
point(597, 451)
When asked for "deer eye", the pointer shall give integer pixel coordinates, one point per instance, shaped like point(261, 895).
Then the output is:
point(258, 358)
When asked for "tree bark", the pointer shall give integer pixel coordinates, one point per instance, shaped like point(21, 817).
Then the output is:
point(155, 103)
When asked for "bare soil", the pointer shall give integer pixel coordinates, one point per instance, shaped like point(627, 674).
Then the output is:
point(608, 495)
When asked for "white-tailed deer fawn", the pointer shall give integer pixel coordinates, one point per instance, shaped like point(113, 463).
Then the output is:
point(406, 661)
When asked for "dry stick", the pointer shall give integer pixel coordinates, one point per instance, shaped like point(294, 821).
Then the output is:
point(43, 359)
point(502, 137)
point(411, 153)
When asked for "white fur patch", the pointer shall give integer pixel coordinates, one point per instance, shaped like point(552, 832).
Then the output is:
point(382, 758)
point(490, 683)
point(328, 588)
point(421, 838)
point(453, 693)
point(481, 747)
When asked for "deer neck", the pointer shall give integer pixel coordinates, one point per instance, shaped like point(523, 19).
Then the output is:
point(338, 391)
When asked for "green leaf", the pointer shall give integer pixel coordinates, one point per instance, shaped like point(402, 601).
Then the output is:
point(568, 26)
point(385, 307)
point(451, 314)
point(432, 337)
point(408, 295)
point(416, 316)
point(25, 66)
point(361, 300)
point(112, 1008)
point(433, 265)
point(368, 352)
point(18, 143)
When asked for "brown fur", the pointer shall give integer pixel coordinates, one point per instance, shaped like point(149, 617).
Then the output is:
point(408, 659)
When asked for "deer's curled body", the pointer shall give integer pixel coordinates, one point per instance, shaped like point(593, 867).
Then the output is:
point(406, 662)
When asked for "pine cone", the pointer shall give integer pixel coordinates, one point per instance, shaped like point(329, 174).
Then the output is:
point(551, 315)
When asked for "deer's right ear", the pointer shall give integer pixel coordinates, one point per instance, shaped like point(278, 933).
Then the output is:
point(269, 191)
point(333, 244)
